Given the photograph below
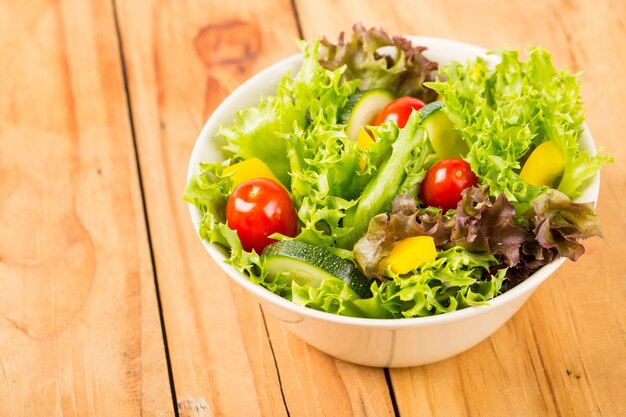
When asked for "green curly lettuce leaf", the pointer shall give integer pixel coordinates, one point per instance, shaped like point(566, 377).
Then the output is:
point(313, 94)
point(208, 190)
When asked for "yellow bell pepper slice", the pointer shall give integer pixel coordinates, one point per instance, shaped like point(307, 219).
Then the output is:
point(363, 142)
point(408, 254)
point(249, 169)
point(543, 165)
point(364, 139)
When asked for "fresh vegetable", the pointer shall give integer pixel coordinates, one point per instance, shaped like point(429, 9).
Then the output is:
point(208, 190)
point(560, 224)
point(445, 181)
point(378, 60)
point(259, 208)
point(408, 254)
point(356, 220)
point(398, 111)
point(364, 140)
point(248, 169)
point(312, 265)
point(446, 141)
point(361, 110)
point(544, 165)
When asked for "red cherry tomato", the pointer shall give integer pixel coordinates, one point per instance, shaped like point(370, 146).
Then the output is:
point(258, 208)
point(444, 182)
point(398, 110)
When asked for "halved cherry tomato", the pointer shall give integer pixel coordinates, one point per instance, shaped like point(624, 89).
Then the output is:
point(444, 182)
point(258, 208)
point(398, 110)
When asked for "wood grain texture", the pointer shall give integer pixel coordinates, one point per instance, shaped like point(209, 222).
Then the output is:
point(320, 385)
point(182, 59)
point(79, 324)
point(562, 354)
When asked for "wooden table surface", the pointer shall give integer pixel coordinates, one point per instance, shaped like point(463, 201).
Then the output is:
point(109, 305)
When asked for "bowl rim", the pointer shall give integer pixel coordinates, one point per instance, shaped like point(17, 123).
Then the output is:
point(217, 255)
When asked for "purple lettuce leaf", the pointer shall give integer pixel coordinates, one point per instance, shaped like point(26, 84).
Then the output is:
point(485, 224)
point(400, 67)
point(560, 223)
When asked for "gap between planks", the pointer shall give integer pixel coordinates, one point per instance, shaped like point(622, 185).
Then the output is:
point(392, 393)
point(296, 17)
point(143, 205)
point(269, 340)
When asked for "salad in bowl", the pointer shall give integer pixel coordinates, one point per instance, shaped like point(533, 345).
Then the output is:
point(377, 183)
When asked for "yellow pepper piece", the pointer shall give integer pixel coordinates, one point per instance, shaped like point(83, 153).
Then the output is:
point(363, 139)
point(409, 253)
point(363, 142)
point(249, 169)
point(543, 165)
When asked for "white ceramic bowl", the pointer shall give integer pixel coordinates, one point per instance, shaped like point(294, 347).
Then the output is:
point(374, 342)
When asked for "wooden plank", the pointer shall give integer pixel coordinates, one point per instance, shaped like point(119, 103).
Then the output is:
point(324, 386)
point(562, 354)
point(183, 59)
point(79, 324)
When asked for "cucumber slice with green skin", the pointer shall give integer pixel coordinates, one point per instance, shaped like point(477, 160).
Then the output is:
point(310, 264)
point(362, 109)
point(446, 141)
point(430, 108)
point(344, 114)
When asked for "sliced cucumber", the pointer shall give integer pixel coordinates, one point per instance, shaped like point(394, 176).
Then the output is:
point(310, 264)
point(362, 108)
point(430, 108)
point(344, 114)
point(445, 140)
